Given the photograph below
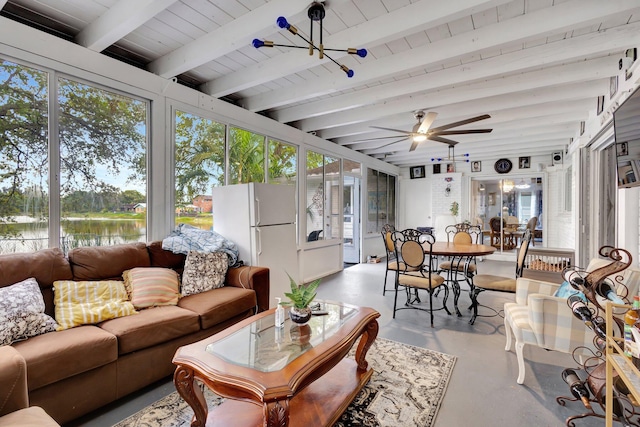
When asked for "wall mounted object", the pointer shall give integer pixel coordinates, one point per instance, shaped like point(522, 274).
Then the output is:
point(417, 172)
point(503, 166)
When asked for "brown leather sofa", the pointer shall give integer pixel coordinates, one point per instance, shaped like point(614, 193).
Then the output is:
point(14, 399)
point(75, 371)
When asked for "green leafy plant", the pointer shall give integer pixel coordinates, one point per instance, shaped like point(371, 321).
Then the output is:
point(454, 208)
point(301, 295)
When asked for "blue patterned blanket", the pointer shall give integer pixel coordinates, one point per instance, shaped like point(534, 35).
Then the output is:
point(187, 238)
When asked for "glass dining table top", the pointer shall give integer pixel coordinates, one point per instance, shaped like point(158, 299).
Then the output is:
point(265, 348)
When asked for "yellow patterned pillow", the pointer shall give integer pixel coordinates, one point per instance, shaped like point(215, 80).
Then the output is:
point(82, 303)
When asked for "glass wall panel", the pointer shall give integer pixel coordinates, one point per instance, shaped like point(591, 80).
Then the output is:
point(315, 196)
point(282, 163)
point(381, 200)
point(332, 201)
point(199, 165)
point(246, 156)
point(505, 207)
point(103, 148)
point(24, 159)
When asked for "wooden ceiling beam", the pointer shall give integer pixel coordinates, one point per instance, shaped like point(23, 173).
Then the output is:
point(121, 19)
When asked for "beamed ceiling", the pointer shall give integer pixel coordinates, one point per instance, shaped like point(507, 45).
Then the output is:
point(536, 66)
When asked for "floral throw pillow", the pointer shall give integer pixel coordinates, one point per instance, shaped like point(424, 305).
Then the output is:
point(22, 312)
point(204, 271)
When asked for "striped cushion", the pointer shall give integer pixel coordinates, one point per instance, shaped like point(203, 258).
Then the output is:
point(81, 303)
point(152, 286)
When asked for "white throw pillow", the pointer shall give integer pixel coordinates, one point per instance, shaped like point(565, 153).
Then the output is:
point(22, 312)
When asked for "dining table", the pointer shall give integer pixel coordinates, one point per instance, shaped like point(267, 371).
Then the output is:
point(460, 254)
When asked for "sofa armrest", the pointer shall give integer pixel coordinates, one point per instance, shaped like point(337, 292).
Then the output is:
point(13, 381)
point(526, 287)
point(555, 326)
point(250, 277)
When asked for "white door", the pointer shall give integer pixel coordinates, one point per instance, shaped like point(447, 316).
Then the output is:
point(351, 220)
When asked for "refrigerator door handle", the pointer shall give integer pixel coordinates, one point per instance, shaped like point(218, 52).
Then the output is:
point(257, 210)
point(259, 248)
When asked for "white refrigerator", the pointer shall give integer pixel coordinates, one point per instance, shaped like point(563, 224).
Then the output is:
point(260, 219)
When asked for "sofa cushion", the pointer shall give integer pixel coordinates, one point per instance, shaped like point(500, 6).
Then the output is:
point(46, 266)
point(152, 286)
point(217, 305)
point(22, 312)
point(164, 258)
point(82, 303)
point(204, 271)
point(150, 327)
point(55, 356)
point(28, 417)
point(107, 262)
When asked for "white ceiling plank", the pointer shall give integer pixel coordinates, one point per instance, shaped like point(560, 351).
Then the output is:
point(594, 69)
point(552, 20)
point(399, 23)
point(564, 51)
point(225, 39)
point(124, 17)
point(489, 105)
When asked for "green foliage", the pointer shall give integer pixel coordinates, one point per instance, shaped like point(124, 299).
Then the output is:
point(301, 295)
point(454, 208)
point(246, 156)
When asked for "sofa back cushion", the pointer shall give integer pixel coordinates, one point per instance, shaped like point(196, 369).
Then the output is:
point(46, 266)
point(107, 262)
point(164, 258)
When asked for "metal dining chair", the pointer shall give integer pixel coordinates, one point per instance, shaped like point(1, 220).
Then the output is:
point(463, 267)
point(490, 282)
point(392, 261)
point(417, 272)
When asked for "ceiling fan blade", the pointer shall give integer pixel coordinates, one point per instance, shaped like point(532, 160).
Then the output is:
point(376, 139)
point(390, 143)
point(462, 122)
point(391, 129)
point(440, 139)
point(460, 132)
point(414, 144)
point(427, 122)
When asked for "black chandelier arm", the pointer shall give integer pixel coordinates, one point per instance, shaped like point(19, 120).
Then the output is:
point(316, 13)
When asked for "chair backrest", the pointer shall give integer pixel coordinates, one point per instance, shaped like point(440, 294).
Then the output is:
point(512, 220)
point(475, 231)
point(462, 226)
point(531, 224)
point(494, 224)
point(388, 228)
point(522, 252)
point(388, 241)
point(451, 231)
point(314, 235)
point(414, 247)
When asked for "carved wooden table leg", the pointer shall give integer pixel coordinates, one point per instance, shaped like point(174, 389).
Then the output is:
point(276, 413)
point(183, 379)
point(368, 337)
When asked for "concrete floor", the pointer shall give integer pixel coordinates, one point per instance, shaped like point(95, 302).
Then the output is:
point(482, 392)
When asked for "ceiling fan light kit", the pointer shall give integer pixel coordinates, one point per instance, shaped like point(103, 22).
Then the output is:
point(315, 13)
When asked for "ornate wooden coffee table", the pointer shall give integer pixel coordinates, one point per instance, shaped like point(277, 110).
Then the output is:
point(294, 376)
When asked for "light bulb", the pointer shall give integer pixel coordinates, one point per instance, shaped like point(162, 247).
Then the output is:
point(419, 137)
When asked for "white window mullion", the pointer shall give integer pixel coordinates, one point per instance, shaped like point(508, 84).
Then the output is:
point(54, 162)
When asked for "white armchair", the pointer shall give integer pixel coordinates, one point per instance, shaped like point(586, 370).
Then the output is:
point(538, 318)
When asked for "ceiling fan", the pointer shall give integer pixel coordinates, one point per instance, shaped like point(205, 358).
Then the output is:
point(422, 130)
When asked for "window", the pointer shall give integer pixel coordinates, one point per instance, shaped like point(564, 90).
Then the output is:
point(24, 159)
point(282, 163)
point(199, 165)
point(98, 154)
point(103, 145)
point(246, 156)
point(315, 196)
point(381, 199)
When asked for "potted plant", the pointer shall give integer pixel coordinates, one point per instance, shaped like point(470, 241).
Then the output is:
point(299, 299)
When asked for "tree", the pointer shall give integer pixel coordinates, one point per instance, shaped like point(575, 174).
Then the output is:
point(199, 156)
point(129, 197)
point(100, 134)
point(246, 156)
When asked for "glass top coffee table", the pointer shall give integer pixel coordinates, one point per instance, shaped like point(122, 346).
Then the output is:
point(291, 376)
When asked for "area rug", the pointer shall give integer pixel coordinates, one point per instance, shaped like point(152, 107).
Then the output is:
point(406, 389)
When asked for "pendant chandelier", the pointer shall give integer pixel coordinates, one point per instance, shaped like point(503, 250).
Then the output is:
point(315, 13)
